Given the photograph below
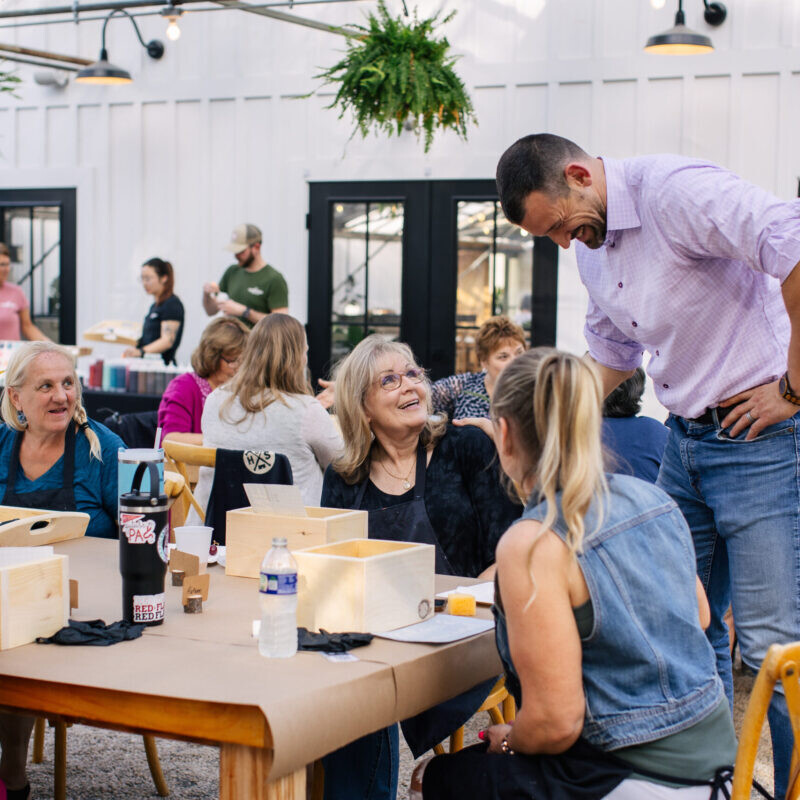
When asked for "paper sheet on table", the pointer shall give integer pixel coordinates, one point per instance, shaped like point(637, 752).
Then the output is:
point(276, 498)
point(440, 629)
point(482, 592)
point(11, 556)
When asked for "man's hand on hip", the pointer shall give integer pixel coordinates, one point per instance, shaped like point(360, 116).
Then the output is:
point(757, 409)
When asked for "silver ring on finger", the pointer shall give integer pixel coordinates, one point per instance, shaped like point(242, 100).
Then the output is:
point(751, 417)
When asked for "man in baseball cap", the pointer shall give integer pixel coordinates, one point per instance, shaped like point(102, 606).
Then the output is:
point(251, 288)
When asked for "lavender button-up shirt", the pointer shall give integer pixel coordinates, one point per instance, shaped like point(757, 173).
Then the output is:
point(691, 271)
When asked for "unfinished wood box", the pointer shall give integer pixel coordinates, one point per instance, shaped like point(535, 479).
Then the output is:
point(364, 585)
point(34, 595)
point(249, 534)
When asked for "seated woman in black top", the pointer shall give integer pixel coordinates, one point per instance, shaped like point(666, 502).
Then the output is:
point(163, 323)
point(421, 480)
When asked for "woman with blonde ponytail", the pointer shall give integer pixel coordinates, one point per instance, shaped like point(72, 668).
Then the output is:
point(51, 455)
point(599, 625)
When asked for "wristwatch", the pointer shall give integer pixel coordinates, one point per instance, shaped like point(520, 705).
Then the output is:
point(245, 315)
point(786, 390)
point(505, 748)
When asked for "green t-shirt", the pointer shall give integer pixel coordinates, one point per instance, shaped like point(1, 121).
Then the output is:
point(263, 290)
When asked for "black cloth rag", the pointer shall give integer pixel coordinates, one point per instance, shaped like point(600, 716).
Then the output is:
point(325, 642)
point(94, 632)
point(235, 468)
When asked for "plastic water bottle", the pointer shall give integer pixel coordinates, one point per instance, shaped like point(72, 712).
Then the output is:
point(278, 595)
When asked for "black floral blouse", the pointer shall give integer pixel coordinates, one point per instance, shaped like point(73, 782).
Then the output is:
point(461, 395)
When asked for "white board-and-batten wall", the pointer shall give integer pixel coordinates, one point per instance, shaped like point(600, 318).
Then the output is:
point(218, 132)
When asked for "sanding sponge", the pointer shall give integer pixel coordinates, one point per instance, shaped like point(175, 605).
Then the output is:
point(461, 605)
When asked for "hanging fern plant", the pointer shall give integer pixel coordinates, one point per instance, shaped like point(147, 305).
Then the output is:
point(9, 81)
point(397, 74)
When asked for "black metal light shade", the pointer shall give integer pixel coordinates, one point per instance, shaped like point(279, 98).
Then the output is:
point(102, 71)
point(680, 40)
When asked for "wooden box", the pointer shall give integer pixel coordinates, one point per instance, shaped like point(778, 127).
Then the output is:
point(118, 331)
point(364, 585)
point(249, 534)
point(34, 594)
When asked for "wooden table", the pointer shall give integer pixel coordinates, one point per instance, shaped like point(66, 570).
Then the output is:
point(200, 678)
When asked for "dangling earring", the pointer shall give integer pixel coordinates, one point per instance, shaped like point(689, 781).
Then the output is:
point(21, 418)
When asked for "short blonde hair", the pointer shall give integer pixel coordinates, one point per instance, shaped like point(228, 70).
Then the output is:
point(16, 373)
point(221, 336)
point(354, 376)
point(494, 332)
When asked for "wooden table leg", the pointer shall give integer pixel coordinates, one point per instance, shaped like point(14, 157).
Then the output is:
point(243, 775)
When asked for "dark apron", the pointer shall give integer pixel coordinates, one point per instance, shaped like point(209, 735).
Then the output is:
point(60, 499)
point(409, 521)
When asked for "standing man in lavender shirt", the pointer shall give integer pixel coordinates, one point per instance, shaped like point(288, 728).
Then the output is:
point(691, 263)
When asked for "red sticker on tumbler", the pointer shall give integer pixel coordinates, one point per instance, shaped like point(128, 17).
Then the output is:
point(137, 529)
point(148, 607)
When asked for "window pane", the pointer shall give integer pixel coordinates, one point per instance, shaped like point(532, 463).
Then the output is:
point(385, 277)
point(513, 272)
point(349, 262)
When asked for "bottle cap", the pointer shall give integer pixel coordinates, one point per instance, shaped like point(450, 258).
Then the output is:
point(279, 541)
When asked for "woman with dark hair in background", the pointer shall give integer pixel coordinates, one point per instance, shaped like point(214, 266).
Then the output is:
point(635, 443)
point(163, 323)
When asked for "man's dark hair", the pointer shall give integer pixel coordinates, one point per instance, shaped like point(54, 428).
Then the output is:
point(626, 399)
point(533, 163)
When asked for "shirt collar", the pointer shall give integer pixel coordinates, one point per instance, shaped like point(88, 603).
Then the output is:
point(621, 211)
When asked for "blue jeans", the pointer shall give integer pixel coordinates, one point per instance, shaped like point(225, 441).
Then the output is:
point(742, 502)
point(365, 769)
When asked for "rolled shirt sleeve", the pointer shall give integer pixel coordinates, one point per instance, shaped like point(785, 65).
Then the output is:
point(607, 344)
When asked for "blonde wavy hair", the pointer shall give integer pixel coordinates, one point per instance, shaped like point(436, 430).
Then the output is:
point(354, 376)
point(552, 402)
point(273, 365)
point(16, 374)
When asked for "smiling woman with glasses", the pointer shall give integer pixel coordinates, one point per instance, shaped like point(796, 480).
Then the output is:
point(214, 361)
point(421, 480)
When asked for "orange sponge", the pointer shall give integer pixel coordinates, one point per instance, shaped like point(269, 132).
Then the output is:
point(461, 605)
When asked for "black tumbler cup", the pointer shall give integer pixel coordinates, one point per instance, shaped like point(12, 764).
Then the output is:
point(143, 549)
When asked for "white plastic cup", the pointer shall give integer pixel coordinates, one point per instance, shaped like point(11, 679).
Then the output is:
point(196, 540)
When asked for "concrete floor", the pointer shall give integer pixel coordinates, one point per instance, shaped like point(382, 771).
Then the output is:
point(105, 765)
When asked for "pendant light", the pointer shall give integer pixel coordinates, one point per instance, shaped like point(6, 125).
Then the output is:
point(680, 40)
point(173, 14)
point(104, 72)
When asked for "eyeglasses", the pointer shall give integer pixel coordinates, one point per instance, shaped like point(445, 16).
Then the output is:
point(393, 380)
point(232, 362)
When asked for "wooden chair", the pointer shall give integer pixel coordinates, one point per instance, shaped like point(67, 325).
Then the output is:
point(60, 757)
point(782, 663)
point(500, 705)
point(183, 455)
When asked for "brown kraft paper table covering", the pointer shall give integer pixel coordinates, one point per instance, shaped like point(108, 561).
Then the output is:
point(200, 677)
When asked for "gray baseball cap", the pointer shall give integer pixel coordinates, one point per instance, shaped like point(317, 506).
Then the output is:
point(242, 237)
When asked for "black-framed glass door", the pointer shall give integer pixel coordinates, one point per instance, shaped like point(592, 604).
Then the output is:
point(38, 226)
point(426, 262)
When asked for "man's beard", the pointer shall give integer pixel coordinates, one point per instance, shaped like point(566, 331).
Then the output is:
point(598, 235)
point(248, 262)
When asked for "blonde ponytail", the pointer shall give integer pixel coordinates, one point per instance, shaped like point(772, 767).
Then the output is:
point(552, 402)
point(16, 372)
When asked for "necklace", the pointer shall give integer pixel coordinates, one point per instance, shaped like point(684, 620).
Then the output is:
point(406, 483)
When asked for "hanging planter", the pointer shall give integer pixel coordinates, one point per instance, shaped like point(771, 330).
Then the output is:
point(397, 75)
point(9, 81)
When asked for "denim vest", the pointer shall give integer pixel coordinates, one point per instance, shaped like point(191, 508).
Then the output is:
point(648, 669)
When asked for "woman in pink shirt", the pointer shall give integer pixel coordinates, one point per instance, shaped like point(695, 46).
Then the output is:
point(215, 362)
point(15, 316)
